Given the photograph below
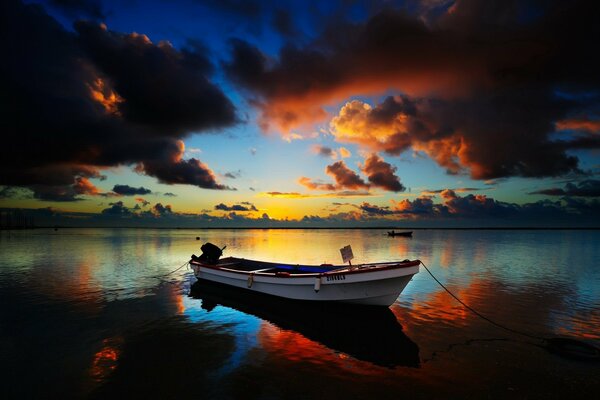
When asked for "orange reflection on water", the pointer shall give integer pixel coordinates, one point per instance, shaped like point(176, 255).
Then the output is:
point(106, 360)
point(295, 347)
point(440, 305)
point(582, 327)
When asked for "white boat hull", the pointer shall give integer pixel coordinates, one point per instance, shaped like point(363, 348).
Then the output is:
point(372, 286)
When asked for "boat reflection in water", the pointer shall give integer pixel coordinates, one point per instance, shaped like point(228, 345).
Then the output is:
point(370, 334)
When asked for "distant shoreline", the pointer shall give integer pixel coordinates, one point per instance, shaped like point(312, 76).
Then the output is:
point(318, 228)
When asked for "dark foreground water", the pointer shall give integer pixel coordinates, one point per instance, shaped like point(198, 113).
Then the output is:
point(84, 313)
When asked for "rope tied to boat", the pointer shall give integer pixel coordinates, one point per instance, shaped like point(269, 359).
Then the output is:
point(175, 270)
point(566, 347)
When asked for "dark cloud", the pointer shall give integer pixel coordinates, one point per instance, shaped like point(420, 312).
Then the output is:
point(244, 206)
point(283, 23)
point(117, 209)
point(80, 8)
point(179, 171)
point(379, 174)
point(162, 86)
point(457, 190)
point(484, 83)
point(159, 210)
point(76, 102)
point(126, 190)
point(141, 201)
point(81, 186)
point(233, 174)
point(324, 151)
point(487, 135)
point(376, 210)
point(169, 194)
point(586, 188)
point(480, 206)
point(382, 174)
point(344, 177)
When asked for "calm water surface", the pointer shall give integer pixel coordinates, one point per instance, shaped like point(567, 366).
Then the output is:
point(91, 313)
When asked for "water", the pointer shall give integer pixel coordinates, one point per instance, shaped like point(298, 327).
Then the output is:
point(86, 313)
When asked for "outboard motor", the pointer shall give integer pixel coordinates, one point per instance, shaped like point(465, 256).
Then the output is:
point(210, 253)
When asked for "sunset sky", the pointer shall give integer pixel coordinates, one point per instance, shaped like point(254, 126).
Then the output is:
point(212, 113)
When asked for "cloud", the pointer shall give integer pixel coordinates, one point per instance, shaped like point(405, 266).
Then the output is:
point(173, 169)
point(126, 190)
point(382, 174)
point(283, 23)
point(158, 210)
point(142, 201)
point(245, 206)
point(344, 177)
point(117, 209)
point(169, 194)
point(344, 152)
point(461, 136)
point(586, 188)
point(93, 99)
point(457, 190)
point(482, 85)
point(454, 210)
point(379, 174)
point(233, 174)
point(375, 210)
point(579, 124)
point(65, 193)
point(324, 151)
point(316, 185)
point(297, 195)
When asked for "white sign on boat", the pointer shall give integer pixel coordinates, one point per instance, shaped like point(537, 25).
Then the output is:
point(346, 254)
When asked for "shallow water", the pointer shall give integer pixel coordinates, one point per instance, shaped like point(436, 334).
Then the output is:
point(91, 313)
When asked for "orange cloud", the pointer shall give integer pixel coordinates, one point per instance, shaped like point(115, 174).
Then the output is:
point(105, 96)
point(379, 174)
point(83, 185)
point(308, 183)
point(476, 106)
point(582, 124)
point(344, 152)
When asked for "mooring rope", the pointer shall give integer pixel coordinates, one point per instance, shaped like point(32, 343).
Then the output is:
point(175, 270)
point(566, 347)
point(478, 313)
point(160, 277)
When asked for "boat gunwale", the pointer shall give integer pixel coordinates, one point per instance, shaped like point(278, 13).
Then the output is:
point(341, 270)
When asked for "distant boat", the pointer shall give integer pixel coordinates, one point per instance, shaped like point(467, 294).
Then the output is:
point(406, 233)
point(377, 284)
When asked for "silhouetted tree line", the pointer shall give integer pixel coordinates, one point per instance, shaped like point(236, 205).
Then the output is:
point(15, 219)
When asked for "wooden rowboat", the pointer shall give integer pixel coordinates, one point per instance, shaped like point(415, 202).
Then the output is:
point(377, 284)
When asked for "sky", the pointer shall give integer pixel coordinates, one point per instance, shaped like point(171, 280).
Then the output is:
point(231, 113)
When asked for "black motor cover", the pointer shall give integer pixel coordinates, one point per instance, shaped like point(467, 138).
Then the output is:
point(210, 253)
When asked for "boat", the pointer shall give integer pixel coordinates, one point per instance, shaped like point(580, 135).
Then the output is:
point(393, 233)
point(375, 284)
